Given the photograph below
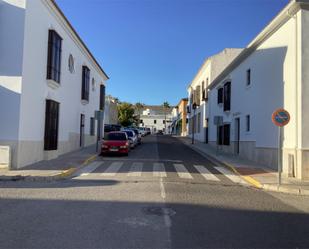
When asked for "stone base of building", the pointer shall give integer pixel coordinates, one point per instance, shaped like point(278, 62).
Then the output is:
point(28, 152)
point(295, 163)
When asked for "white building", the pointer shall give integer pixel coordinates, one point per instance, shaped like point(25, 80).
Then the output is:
point(271, 72)
point(50, 83)
point(110, 110)
point(156, 118)
point(197, 90)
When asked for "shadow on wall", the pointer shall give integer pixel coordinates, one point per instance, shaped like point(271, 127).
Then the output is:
point(12, 19)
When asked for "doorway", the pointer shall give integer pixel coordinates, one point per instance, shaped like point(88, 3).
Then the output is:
point(82, 131)
point(237, 135)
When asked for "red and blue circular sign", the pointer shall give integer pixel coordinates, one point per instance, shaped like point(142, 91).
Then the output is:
point(281, 117)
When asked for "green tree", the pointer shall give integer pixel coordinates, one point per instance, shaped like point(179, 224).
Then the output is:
point(139, 107)
point(126, 114)
point(166, 106)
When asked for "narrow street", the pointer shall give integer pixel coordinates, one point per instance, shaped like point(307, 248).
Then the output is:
point(163, 195)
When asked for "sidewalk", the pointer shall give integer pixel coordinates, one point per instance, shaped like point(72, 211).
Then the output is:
point(59, 168)
point(256, 175)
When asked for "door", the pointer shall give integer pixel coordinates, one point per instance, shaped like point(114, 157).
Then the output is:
point(237, 135)
point(82, 130)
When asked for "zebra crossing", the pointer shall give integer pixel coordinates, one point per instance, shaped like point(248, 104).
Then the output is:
point(108, 169)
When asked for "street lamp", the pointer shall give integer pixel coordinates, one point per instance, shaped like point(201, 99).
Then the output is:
point(194, 105)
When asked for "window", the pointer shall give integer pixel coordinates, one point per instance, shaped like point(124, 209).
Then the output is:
point(92, 126)
point(248, 77)
point(248, 123)
point(102, 97)
point(223, 135)
point(141, 121)
point(227, 96)
point(54, 56)
point(93, 84)
point(51, 125)
point(203, 91)
point(71, 64)
point(163, 121)
point(220, 95)
point(85, 83)
point(207, 132)
point(155, 121)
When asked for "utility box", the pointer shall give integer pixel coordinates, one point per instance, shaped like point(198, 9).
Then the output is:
point(5, 157)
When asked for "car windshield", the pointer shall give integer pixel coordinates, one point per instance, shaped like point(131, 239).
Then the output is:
point(120, 136)
point(129, 133)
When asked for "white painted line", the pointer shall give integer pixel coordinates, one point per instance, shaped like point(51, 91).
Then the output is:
point(182, 171)
point(163, 194)
point(159, 170)
point(89, 168)
point(206, 173)
point(136, 169)
point(231, 175)
point(112, 169)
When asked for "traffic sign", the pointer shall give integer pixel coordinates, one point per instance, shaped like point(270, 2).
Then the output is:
point(280, 117)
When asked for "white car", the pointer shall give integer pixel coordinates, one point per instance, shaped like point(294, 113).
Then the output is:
point(133, 139)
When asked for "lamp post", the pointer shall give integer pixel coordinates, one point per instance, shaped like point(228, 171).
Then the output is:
point(194, 105)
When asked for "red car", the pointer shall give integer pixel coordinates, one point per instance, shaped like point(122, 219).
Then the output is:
point(116, 142)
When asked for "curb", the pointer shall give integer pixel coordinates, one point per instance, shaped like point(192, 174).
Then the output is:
point(253, 182)
point(60, 176)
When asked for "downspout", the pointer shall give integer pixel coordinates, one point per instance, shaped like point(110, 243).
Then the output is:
point(296, 92)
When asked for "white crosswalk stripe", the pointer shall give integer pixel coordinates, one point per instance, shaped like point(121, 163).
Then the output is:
point(89, 168)
point(158, 170)
point(206, 173)
point(112, 169)
point(182, 171)
point(231, 175)
point(136, 169)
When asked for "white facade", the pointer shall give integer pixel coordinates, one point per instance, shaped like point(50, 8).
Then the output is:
point(24, 89)
point(154, 117)
point(271, 73)
point(197, 90)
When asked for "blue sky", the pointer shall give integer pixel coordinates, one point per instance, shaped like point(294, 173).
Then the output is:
point(151, 49)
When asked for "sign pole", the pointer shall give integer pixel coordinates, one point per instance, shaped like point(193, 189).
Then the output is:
point(279, 156)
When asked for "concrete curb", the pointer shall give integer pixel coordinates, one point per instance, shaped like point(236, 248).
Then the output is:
point(60, 176)
point(253, 182)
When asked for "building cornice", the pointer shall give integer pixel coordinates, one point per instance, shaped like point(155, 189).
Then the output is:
point(52, 5)
point(291, 9)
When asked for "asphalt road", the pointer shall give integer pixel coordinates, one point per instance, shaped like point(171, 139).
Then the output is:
point(164, 195)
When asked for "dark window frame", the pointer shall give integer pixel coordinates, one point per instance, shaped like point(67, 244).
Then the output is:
point(51, 129)
point(54, 53)
point(224, 134)
point(102, 97)
point(227, 96)
point(248, 72)
point(220, 95)
point(85, 83)
point(155, 121)
point(248, 123)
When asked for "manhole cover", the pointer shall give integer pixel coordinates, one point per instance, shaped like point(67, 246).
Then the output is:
point(160, 211)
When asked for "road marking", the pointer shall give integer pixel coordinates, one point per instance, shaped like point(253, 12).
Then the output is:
point(159, 170)
point(163, 194)
point(182, 171)
point(136, 169)
point(206, 173)
point(112, 169)
point(89, 168)
point(230, 175)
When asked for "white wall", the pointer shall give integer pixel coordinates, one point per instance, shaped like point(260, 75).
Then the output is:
point(39, 19)
point(12, 15)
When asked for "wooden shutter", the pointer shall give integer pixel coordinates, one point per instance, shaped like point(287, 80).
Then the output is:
point(85, 83)
point(220, 95)
point(51, 125)
point(54, 56)
point(226, 134)
point(227, 97)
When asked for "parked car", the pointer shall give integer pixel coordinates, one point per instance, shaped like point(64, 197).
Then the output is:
point(160, 132)
point(148, 131)
point(132, 138)
point(111, 127)
point(138, 134)
point(143, 131)
point(116, 142)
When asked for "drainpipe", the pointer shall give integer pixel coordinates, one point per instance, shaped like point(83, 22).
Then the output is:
point(296, 91)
